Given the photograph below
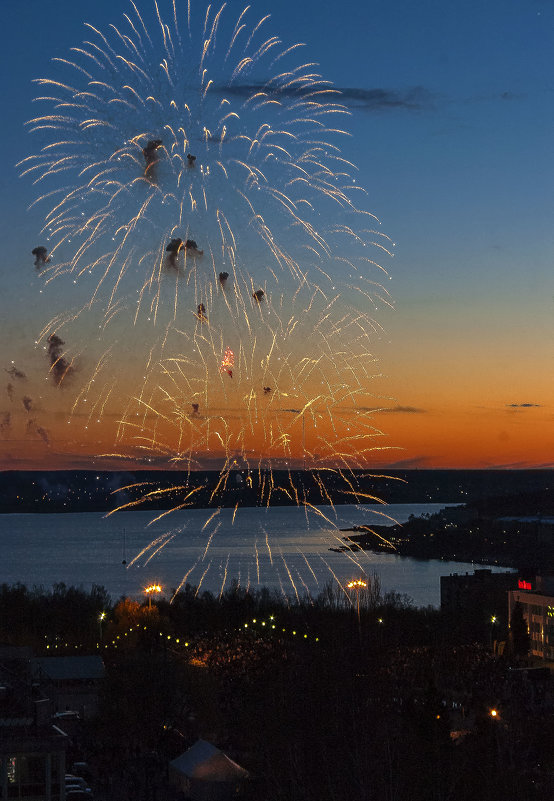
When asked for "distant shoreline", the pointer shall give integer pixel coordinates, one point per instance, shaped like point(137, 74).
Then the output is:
point(462, 534)
point(100, 491)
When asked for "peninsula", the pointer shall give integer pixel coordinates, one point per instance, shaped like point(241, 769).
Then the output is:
point(516, 530)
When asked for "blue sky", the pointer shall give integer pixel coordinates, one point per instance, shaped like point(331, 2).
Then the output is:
point(452, 117)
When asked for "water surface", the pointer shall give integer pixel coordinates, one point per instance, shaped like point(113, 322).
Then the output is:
point(283, 548)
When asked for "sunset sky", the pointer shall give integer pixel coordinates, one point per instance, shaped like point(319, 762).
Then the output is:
point(452, 116)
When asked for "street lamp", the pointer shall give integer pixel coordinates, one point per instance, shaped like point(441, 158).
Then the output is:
point(356, 584)
point(101, 618)
point(149, 590)
point(493, 622)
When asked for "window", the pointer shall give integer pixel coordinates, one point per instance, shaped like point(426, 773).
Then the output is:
point(27, 776)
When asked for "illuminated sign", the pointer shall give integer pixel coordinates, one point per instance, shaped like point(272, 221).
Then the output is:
point(524, 585)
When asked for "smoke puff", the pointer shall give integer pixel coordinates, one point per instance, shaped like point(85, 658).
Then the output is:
point(14, 372)
point(39, 431)
point(59, 366)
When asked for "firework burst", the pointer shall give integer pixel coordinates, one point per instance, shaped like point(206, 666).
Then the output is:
point(158, 137)
point(195, 192)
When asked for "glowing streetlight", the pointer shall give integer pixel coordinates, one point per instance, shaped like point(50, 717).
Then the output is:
point(101, 618)
point(356, 584)
point(493, 623)
point(149, 590)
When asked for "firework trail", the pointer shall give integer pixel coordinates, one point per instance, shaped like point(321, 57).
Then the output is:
point(319, 407)
point(319, 413)
point(243, 140)
point(195, 191)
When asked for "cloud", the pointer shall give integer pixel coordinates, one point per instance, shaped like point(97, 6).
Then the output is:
point(524, 405)
point(504, 97)
point(390, 409)
point(521, 465)
point(415, 98)
point(403, 410)
point(407, 464)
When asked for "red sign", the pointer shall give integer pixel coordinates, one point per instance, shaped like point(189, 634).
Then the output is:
point(524, 585)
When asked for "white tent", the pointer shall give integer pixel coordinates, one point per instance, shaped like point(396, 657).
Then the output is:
point(206, 774)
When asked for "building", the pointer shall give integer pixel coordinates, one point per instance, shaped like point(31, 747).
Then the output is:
point(72, 682)
point(32, 762)
point(32, 749)
point(536, 597)
point(482, 593)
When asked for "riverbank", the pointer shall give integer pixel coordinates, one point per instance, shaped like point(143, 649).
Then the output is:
point(511, 538)
point(281, 548)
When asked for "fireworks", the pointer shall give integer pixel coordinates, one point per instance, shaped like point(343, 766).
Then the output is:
point(228, 362)
point(194, 164)
point(299, 391)
point(266, 188)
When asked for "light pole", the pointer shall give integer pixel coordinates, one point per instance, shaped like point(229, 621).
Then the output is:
point(356, 584)
point(149, 590)
point(493, 622)
point(101, 618)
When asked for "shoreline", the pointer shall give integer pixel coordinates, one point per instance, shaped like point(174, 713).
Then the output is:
point(102, 491)
point(459, 535)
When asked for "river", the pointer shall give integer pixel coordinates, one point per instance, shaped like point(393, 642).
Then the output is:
point(283, 548)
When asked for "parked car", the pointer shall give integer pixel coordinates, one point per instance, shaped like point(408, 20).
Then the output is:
point(77, 780)
point(69, 714)
point(69, 787)
point(81, 769)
